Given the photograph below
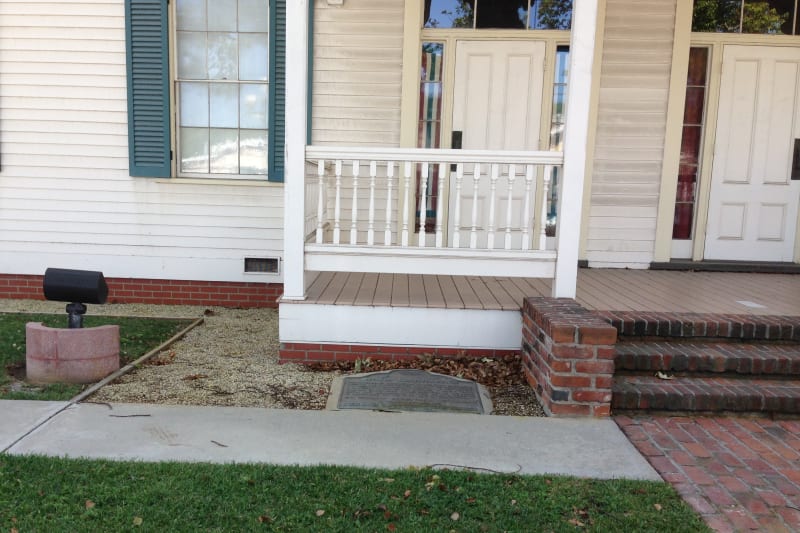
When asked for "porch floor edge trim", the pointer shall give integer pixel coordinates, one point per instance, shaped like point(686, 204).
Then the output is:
point(400, 326)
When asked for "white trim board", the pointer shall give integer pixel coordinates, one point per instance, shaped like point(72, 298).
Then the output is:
point(400, 326)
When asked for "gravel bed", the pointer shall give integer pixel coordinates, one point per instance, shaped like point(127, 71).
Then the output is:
point(231, 360)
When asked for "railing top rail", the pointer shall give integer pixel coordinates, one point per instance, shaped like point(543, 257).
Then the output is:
point(431, 155)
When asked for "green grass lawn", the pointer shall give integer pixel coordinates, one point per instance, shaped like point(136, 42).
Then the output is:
point(137, 337)
point(48, 494)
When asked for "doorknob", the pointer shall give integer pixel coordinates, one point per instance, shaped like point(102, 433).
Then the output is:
point(796, 160)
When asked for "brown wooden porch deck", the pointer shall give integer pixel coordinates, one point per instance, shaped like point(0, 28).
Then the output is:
point(598, 289)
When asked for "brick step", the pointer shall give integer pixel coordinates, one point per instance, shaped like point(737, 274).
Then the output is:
point(706, 395)
point(702, 325)
point(705, 357)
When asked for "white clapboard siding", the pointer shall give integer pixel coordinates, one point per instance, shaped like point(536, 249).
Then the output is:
point(632, 115)
point(357, 68)
point(66, 198)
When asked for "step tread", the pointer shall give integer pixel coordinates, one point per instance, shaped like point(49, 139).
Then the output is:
point(706, 394)
point(703, 325)
point(739, 358)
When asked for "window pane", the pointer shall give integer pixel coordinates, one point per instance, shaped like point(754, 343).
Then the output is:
point(253, 152)
point(551, 15)
point(222, 15)
point(224, 151)
point(449, 13)
point(192, 55)
point(693, 113)
point(223, 51)
point(769, 17)
point(773, 17)
point(224, 105)
point(194, 150)
point(253, 15)
point(253, 106)
point(502, 14)
point(191, 15)
point(698, 61)
point(253, 56)
point(194, 104)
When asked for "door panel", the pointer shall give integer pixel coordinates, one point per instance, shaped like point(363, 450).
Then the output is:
point(497, 106)
point(753, 203)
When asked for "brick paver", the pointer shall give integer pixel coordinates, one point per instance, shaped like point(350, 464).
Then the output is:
point(739, 474)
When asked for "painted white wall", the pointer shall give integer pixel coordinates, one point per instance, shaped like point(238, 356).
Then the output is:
point(631, 126)
point(358, 58)
point(66, 198)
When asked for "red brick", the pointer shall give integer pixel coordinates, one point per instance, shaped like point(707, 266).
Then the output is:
point(560, 380)
point(567, 409)
point(592, 396)
point(562, 333)
point(597, 335)
point(595, 367)
point(572, 351)
point(293, 355)
point(601, 410)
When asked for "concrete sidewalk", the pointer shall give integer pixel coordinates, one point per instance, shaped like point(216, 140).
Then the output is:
point(585, 448)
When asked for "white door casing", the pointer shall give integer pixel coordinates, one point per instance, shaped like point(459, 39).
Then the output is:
point(753, 205)
point(497, 105)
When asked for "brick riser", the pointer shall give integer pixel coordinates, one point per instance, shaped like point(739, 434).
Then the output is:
point(718, 363)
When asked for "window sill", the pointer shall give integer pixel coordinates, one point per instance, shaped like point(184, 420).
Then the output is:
point(242, 182)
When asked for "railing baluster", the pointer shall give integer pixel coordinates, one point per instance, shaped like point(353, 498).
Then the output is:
point(337, 213)
point(512, 176)
point(457, 207)
point(440, 207)
point(320, 193)
point(407, 178)
point(492, 197)
point(423, 204)
point(373, 170)
point(387, 232)
point(548, 173)
point(473, 234)
point(526, 211)
point(354, 221)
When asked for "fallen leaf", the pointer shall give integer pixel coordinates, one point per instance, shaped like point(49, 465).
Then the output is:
point(471, 500)
point(513, 502)
point(387, 515)
point(89, 504)
point(264, 519)
point(388, 480)
point(662, 375)
point(14, 530)
point(192, 377)
point(575, 522)
point(320, 512)
point(137, 521)
point(406, 494)
point(382, 507)
point(657, 506)
point(455, 516)
point(391, 527)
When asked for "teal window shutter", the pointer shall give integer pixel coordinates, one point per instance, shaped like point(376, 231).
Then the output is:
point(146, 33)
point(277, 89)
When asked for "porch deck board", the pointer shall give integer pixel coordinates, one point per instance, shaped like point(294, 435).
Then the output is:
point(598, 289)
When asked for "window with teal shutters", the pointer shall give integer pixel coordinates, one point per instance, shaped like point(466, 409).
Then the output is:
point(225, 142)
point(146, 31)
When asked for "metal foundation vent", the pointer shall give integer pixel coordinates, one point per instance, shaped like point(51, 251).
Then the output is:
point(261, 265)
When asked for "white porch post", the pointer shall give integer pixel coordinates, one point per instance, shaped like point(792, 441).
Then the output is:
point(581, 53)
point(294, 170)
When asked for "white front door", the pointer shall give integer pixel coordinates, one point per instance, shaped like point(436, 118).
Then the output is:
point(752, 214)
point(497, 106)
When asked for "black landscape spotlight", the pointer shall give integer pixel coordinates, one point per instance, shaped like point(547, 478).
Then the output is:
point(77, 287)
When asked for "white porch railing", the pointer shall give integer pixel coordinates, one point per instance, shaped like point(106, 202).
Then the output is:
point(428, 211)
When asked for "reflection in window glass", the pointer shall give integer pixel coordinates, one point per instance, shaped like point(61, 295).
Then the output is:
point(769, 17)
point(557, 121)
point(224, 121)
point(499, 14)
point(693, 118)
point(430, 118)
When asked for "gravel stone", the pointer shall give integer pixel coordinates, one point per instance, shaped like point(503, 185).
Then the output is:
point(231, 360)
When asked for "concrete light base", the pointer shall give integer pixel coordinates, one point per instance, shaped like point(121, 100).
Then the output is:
point(58, 355)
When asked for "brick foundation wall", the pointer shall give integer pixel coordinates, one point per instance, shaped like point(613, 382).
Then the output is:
point(296, 352)
point(160, 291)
point(568, 354)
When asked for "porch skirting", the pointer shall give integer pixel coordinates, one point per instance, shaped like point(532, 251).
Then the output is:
point(299, 352)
